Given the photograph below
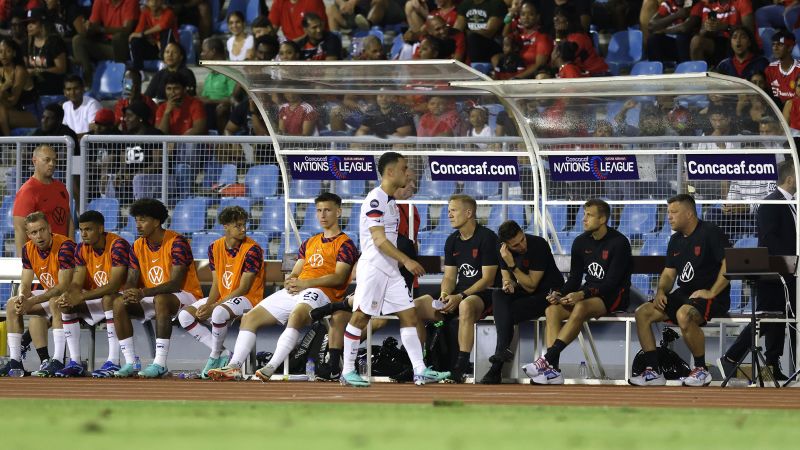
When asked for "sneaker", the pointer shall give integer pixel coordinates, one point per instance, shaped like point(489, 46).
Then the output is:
point(326, 373)
point(49, 368)
point(548, 376)
point(227, 373)
point(492, 377)
point(225, 358)
point(212, 363)
point(10, 365)
point(72, 369)
point(430, 376)
point(533, 369)
point(726, 367)
point(502, 357)
point(265, 373)
point(698, 377)
point(153, 371)
point(107, 371)
point(125, 371)
point(353, 379)
point(648, 378)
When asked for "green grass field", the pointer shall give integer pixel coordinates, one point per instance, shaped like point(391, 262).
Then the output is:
point(121, 425)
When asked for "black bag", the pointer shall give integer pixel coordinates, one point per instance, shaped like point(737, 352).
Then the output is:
point(672, 366)
point(441, 345)
point(390, 361)
point(310, 347)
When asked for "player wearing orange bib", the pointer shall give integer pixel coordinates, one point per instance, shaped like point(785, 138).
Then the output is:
point(237, 285)
point(162, 279)
point(101, 267)
point(51, 257)
point(320, 276)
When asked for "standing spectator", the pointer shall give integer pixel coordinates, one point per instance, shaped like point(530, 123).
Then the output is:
point(132, 92)
point(217, 88)
point(46, 56)
point(536, 46)
point(42, 193)
point(670, 30)
point(106, 36)
point(79, 109)
point(157, 26)
point(717, 21)
point(318, 44)
point(568, 27)
point(175, 61)
point(16, 89)
point(181, 113)
point(745, 61)
point(266, 48)
point(440, 120)
point(194, 12)
point(482, 22)
point(296, 117)
point(287, 15)
point(782, 73)
point(52, 124)
point(66, 17)
point(240, 44)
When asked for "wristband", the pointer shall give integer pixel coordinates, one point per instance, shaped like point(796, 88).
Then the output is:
point(512, 268)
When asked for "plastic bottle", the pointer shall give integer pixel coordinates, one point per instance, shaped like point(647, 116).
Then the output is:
point(137, 364)
point(16, 373)
point(311, 370)
point(362, 367)
point(583, 371)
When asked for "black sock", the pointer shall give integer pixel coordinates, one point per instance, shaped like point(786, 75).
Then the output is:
point(553, 354)
point(335, 360)
point(700, 361)
point(26, 339)
point(463, 359)
point(651, 360)
point(43, 354)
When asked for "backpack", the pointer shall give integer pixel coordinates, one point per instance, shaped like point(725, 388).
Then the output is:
point(670, 364)
point(311, 346)
point(441, 345)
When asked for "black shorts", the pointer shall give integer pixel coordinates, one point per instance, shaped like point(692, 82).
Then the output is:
point(617, 302)
point(708, 308)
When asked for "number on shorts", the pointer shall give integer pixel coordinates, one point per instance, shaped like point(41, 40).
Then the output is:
point(311, 296)
point(235, 301)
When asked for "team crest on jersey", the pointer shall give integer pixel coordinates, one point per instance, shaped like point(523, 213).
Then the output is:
point(696, 250)
point(596, 270)
point(156, 275)
point(100, 278)
point(316, 260)
point(47, 280)
point(687, 274)
point(605, 254)
point(474, 252)
point(468, 271)
point(227, 279)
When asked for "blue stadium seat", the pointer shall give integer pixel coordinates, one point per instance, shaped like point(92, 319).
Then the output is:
point(352, 226)
point(7, 215)
point(5, 294)
point(310, 224)
point(305, 188)
point(482, 189)
point(648, 68)
point(624, 50)
point(765, 34)
point(436, 190)
point(558, 215)
point(641, 282)
point(397, 47)
point(200, 243)
point(692, 67)
point(131, 226)
point(790, 17)
point(422, 210)
point(746, 242)
point(565, 238)
point(224, 202)
point(577, 226)
point(186, 34)
point(293, 246)
point(655, 244)
point(443, 225)
point(128, 236)
point(189, 215)
point(351, 188)
point(109, 208)
point(272, 219)
point(152, 65)
point(796, 50)
point(513, 212)
point(262, 181)
point(637, 220)
point(22, 131)
point(107, 82)
point(228, 174)
point(431, 243)
point(233, 5)
point(482, 67)
point(262, 239)
point(736, 297)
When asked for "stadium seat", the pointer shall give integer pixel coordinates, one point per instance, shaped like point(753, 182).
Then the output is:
point(109, 208)
point(22, 131)
point(7, 215)
point(791, 16)
point(228, 174)
point(262, 181)
point(565, 238)
point(294, 246)
point(624, 50)
point(436, 190)
point(305, 188)
point(655, 244)
point(310, 223)
point(513, 212)
point(107, 82)
point(397, 47)
point(351, 188)
point(422, 209)
point(431, 243)
point(200, 243)
point(746, 242)
point(131, 226)
point(224, 202)
point(262, 239)
point(152, 65)
point(577, 225)
point(648, 68)
point(796, 50)
point(128, 236)
point(233, 5)
point(189, 215)
point(641, 282)
point(482, 67)
point(352, 225)
point(637, 220)
point(692, 67)
point(558, 215)
point(272, 219)
point(186, 34)
point(736, 297)
point(480, 190)
point(443, 225)
point(765, 34)
point(182, 179)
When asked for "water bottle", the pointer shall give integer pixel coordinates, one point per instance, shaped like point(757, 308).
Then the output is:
point(137, 364)
point(16, 373)
point(437, 304)
point(311, 370)
point(362, 367)
point(583, 371)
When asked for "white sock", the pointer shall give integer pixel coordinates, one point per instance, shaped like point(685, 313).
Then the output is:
point(410, 339)
point(126, 347)
point(15, 346)
point(72, 334)
point(59, 344)
point(162, 350)
point(113, 342)
point(200, 333)
point(219, 330)
point(352, 337)
point(244, 343)
point(286, 342)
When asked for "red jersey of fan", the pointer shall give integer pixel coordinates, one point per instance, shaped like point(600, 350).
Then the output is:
point(533, 43)
point(794, 115)
point(586, 57)
point(782, 82)
point(730, 12)
point(293, 117)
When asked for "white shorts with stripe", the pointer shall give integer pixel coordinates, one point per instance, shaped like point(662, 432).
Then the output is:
point(94, 313)
point(149, 308)
point(237, 305)
point(379, 294)
point(281, 304)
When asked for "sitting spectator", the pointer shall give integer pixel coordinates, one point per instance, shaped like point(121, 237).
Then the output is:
point(66, 17)
point(97, 181)
point(131, 92)
point(79, 109)
point(181, 113)
point(344, 15)
point(17, 95)
point(317, 44)
point(194, 12)
point(418, 14)
point(17, 26)
point(781, 74)
point(670, 31)
point(175, 61)
point(52, 124)
point(289, 51)
point(509, 64)
point(432, 47)
point(568, 27)
point(581, 9)
point(440, 120)
point(387, 118)
point(245, 119)
point(296, 117)
point(138, 118)
point(240, 44)
point(564, 60)
point(437, 27)
point(745, 61)
point(722, 124)
point(266, 48)
point(479, 125)
point(103, 123)
point(262, 27)
point(535, 46)
point(718, 18)
point(287, 15)
point(217, 88)
point(106, 35)
point(157, 26)
point(371, 49)
point(791, 109)
point(46, 56)
point(482, 22)
point(749, 111)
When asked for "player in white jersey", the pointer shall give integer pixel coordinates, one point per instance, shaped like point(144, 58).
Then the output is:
point(380, 288)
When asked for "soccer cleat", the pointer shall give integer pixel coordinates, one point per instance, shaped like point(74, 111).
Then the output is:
point(648, 378)
point(353, 379)
point(726, 367)
point(533, 369)
point(227, 373)
point(430, 376)
point(10, 365)
point(457, 375)
point(72, 369)
point(265, 373)
point(698, 377)
point(326, 373)
point(224, 359)
point(125, 371)
point(153, 371)
point(212, 363)
point(108, 370)
point(548, 376)
point(493, 376)
point(49, 368)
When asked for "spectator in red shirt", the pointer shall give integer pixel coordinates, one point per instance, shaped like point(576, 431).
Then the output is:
point(106, 35)
point(564, 60)
point(181, 114)
point(418, 13)
point(670, 31)
point(717, 20)
point(744, 62)
point(567, 27)
point(438, 27)
point(536, 46)
point(440, 120)
point(296, 117)
point(132, 92)
point(316, 43)
point(157, 26)
point(781, 75)
point(288, 15)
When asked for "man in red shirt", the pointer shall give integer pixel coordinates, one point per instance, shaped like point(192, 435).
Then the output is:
point(181, 114)
point(717, 20)
point(42, 193)
point(288, 15)
point(783, 72)
point(106, 34)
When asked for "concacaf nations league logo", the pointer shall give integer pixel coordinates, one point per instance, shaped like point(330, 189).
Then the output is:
point(595, 163)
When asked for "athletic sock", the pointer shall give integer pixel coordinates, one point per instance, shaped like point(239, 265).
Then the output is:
point(200, 333)
point(244, 343)
point(553, 354)
point(219, 329)
point(352, 338)
point(42, 353)
point(410, 339)
point(463, 360)
point(651, 360)
point(126, 347)
point(72, 334)
point(335, 359)
point(700, 361)
point(162, 350)
point(113, 342)
point(59, 344)
point(27, 339)
point(15, 346)
point(286, 342)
